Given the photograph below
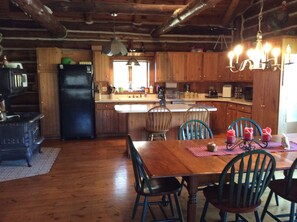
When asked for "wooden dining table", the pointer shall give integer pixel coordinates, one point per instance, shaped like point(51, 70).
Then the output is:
point(172, 158)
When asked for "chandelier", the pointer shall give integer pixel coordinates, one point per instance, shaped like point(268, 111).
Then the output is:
point(258, 57)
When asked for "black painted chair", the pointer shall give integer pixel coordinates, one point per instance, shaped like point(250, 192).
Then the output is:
point(239, 124)
point(287, 189)
point(194, 130)
point(147, 187)
point(241, 185)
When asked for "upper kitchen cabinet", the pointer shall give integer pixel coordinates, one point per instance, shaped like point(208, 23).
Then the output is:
point(223, 73)
point(101, 65)
point(47, 61)
point(209, 66)
point(162, 68)
point(193, 66)
point(170, 66)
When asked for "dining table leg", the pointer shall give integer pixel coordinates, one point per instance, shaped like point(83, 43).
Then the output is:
point(192, 186)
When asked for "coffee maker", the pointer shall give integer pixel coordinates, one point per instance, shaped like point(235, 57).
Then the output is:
point(161, 92)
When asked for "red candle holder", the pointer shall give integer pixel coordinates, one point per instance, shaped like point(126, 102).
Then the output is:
point(266, 137)
point(248, 136)
point(231, 139)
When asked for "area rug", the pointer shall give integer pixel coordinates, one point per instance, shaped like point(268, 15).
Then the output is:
point(41, 164)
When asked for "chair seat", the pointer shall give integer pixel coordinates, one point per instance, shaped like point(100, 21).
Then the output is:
point(211, 194)
point(279, 187)
point(161, 186)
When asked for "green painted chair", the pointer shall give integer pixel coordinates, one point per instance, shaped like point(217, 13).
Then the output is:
point(154, 187)
point(194, 130)
point(239, 124)
point(241, 185)
point(285, 188)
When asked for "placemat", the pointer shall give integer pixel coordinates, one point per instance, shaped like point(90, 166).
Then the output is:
point(201, 151)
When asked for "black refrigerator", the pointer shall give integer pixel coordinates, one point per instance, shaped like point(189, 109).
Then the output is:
point(76, 100)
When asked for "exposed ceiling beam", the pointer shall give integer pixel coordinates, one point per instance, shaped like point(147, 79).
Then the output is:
point(183, 14)
point(230, 12)
point(107, 7)
point(36, 10)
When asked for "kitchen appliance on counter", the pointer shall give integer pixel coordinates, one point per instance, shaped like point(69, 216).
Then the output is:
point(248, 93)
point(238, 92)
point(227, 91)
point(161, 92)
point(171, 91)
point(212, 93)
point(13, 82)
point(76, 99)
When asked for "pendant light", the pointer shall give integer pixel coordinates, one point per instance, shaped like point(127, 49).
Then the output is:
point(132, 61)
point(114, 47)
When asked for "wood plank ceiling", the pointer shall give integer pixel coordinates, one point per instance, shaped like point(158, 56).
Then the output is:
point(151, 25)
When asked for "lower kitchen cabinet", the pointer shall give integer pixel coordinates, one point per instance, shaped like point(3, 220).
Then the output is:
point(109, 122)
point(235, 111)
point(218, 118)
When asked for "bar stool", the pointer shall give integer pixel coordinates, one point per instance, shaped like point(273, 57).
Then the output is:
point(197, 112)
point(158, 121)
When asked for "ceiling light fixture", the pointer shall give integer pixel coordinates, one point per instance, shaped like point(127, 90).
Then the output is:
point(258, 57)
point(114, 47)
point(132, 61)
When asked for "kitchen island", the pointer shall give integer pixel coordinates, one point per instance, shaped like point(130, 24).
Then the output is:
point(136, 118)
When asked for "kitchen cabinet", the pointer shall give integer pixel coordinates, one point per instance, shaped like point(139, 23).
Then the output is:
point(193, 66)
point(266, 87)
point(108, 121)
point(244, 111)
point(47, 61)
point(243, 76)
point(223, 73)
point(209, 66)
point(235, 111)
point(170, 66)
point(178, 66)
point(231, 113)
point(218, 118)
point(101, 65)
point(163, 70)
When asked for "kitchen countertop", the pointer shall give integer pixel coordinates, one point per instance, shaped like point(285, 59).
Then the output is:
point(139, 108)
point(144, 100)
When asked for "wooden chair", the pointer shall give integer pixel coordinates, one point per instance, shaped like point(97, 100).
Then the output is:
point(285, 188)
point(197, 112)
point(153, 187)
point(158, 122)
point(239, 124)
point(194, 129)
point(241, 185)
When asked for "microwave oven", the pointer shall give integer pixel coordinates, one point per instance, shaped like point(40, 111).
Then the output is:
point(12, 81)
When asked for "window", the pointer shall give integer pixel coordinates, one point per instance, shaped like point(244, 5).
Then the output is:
point(131, 78)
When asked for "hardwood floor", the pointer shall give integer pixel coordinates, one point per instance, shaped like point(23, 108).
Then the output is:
point(91, 180)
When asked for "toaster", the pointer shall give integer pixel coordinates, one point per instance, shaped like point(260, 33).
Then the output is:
point(227, 91)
